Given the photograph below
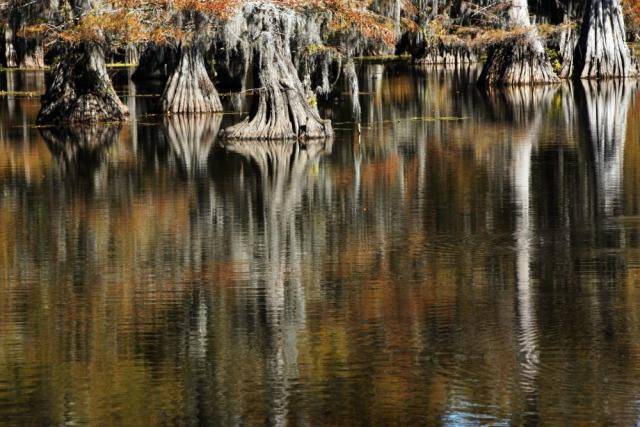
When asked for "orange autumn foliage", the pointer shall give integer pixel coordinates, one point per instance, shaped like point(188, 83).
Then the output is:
point(134, 21)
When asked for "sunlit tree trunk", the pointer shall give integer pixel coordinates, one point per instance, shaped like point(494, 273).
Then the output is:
point(351, 77)
point(189, 88)
point(282, 108)
point(602, 49)
point(131, 55)
point(520, 59)
point(10, 56)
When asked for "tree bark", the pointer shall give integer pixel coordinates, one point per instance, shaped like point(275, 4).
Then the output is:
point(520, 59)
point(602, 49)
point(281, 107)
point(79, 90)
point(568, 42)
point(189, 88)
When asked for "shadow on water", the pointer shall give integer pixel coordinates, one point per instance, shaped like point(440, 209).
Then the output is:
point(468, 258)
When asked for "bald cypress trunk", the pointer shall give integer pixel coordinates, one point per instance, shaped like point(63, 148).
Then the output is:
point(189, 88)
point(520, 59)
point(282, 108)
point(568, 41)
point(602, 49)
point(351, 77)
point(10, 56)
point(79, 89)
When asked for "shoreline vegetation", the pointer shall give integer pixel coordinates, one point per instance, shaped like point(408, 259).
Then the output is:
point(291, 54)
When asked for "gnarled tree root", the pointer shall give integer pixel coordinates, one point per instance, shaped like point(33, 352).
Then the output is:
point(80, 90)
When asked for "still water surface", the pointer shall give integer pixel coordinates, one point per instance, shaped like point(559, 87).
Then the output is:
point(471, 258)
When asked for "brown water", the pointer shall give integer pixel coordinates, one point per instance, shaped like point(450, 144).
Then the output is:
point(470, 258)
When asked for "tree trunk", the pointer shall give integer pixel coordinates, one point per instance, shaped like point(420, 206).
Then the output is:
point(602, 49)
point(10, 56)
point(281, 109)
point(445, 55)
point(520, 59)
point(31, 54)
point(568, 42)
point(354, 89)
point(189, 88)
point(131, 55)
point(156, 61)
point(79, 90)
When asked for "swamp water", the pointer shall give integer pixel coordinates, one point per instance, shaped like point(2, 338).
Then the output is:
point(471, 258)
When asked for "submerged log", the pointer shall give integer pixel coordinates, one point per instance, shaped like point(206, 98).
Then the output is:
point(79, 89)
point(189, 88)
point(282, 109)
point(602, 49)
point(520, 59)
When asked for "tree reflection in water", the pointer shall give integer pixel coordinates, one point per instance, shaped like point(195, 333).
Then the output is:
point(80, 150)
point(282, 166)
point(527, 108)
point(605, 107)
point(454, 263)
point(191, 138)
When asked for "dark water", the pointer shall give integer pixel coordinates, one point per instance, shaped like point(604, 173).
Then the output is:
point(471, 258)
